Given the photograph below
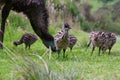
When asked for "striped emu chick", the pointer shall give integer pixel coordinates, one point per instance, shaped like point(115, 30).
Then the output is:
point(96, 38)
point(110, 40)
point(28, 39)
point(72, 42)
point(62, 40)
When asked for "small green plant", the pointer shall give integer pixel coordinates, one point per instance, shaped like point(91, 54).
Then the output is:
point(18, 21)
point(85, 26)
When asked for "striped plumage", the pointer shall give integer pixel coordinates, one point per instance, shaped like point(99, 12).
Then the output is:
point(62, 40)
point(97, 40)
point(28, 39)
point(102, 40)
point(72, 42)
point(110, 40)
point(92, 38)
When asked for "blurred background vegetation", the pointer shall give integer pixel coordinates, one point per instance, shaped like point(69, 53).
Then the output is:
point(17, 63)
point(89, 15)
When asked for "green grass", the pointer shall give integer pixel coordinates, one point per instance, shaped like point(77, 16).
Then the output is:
point(79, 65)
point(38, 63)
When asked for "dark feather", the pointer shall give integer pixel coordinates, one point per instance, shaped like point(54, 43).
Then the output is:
point(28, 39)
point(36, 12)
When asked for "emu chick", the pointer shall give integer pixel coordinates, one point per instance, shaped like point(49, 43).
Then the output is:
point(72, 42)
point(28, 39)
point(97, 40)
point(102, 40)
point(110, 40)
point(62, 40)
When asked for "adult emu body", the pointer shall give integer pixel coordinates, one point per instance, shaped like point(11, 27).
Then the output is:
point(36, 12)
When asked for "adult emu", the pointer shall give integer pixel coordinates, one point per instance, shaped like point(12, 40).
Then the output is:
point(36, 12)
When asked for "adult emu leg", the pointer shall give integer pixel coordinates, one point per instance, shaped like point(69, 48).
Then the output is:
point(5, 12)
